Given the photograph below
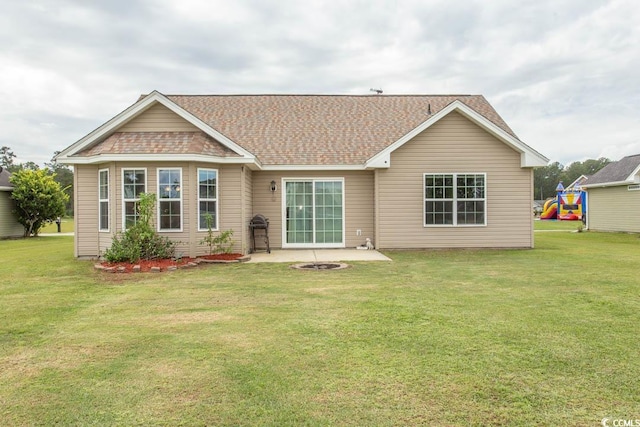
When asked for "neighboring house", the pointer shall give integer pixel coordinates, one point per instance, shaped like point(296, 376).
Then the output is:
point(9, 225)
point(579, 182)
point(328, 171)
point(613, 194)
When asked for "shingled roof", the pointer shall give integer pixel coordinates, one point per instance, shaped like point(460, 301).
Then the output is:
point(619, 172)
point(322, 129)
point(284, 131)
point(160, 143)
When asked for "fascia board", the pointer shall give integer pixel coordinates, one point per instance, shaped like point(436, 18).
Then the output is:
point(6, 188)
point(102, 158)
point(136, 109)
point(529, 157)
point(632, 176)
point(608, 184)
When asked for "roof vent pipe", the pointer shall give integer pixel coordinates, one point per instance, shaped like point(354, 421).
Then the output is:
point(429, 108)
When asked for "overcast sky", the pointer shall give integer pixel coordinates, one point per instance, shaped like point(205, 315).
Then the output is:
point(565, 75)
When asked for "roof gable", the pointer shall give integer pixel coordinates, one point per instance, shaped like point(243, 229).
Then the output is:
point(110, 127)
point(528, 156)
point(624, 171)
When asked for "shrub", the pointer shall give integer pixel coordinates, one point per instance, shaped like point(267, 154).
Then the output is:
point(217, 244)
point(140, 241)
point(38, 199)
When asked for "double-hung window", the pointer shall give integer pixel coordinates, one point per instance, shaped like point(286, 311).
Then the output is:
point(207, 198)
point(455, 199)
point(134, 183)
point(103, 199)
point(170, 199)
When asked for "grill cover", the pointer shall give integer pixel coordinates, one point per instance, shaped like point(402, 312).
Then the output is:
point(259, 222)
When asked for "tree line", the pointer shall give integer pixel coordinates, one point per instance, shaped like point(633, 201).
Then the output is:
point(546, 179)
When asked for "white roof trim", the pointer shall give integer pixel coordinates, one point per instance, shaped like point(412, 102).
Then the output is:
point(635, 172)
point(608, 184)
point(6, 188)
point(151, 157)
point(528, 156)
point(139, 107)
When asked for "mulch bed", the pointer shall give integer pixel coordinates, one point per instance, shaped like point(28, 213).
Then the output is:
point(159, 265)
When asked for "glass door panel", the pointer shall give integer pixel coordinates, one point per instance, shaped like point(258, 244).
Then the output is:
point(314, 213)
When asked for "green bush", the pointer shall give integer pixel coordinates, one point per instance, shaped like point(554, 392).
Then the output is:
point(140, 241)
point(217, 244)
point(38, 199)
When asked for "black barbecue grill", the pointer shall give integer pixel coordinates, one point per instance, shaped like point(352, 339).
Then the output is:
point(259, 222)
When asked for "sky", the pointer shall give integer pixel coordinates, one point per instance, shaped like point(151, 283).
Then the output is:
point(565, 75)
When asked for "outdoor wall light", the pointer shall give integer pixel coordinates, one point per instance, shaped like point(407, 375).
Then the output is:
point(273, 187)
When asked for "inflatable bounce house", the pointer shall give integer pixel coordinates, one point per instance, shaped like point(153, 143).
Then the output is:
point(568, 205)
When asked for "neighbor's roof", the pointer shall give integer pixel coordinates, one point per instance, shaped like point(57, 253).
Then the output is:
point(5, 185)
point(620, 172)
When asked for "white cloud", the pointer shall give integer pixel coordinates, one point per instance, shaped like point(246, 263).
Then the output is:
point(563, 74)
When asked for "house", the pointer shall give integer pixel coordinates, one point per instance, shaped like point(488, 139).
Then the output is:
point(614, 196)
point(9, 225)
point(328, 171)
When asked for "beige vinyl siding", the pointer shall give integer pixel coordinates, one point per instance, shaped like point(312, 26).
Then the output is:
point(247, 208)
point(157, 118)
point(454, 145)
point(86, 210)
point(358, 199)
point(9, 226)
point(613, 209)
point(91, 243)
point(230, 203)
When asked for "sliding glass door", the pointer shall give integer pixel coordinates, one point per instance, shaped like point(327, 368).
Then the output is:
point(314, 213)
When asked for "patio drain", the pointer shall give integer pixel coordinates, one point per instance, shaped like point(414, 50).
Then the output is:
point(320, 266)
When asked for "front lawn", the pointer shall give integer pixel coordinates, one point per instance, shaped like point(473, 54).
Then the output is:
point(460, 337)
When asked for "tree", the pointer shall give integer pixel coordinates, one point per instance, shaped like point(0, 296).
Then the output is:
point(64, 177)
point(6, 158)
point(545, 180)
point(38, 199)
point(588, 167)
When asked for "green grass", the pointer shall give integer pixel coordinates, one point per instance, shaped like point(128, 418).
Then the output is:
point(66, 226)
point(456, 337)
point(554, 225)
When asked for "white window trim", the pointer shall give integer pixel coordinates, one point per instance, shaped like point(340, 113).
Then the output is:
point(283, 190)
point(100, 201)
point(454, 201)
point(171, 230)
point(146, 177)
point(217, 199)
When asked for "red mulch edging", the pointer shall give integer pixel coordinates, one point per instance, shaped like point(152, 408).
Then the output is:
point(158, 265)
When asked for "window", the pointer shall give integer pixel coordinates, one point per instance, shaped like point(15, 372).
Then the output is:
point(207, 198)
point(103, 199)
point(170, 199)
point(454, 199)
point(134, 183)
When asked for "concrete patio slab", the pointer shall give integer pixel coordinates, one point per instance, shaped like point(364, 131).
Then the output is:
point(318, 255)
